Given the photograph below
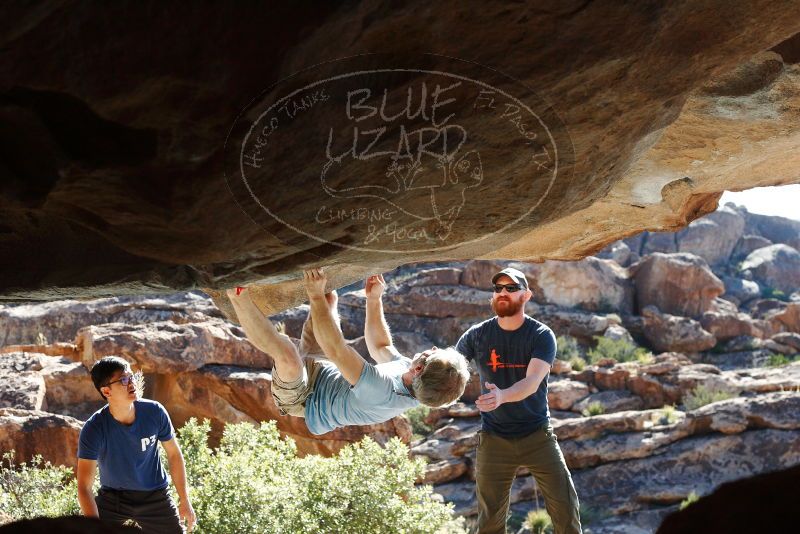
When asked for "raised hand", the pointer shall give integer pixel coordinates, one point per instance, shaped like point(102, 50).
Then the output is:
point(315, 282)
point(374, 286)
point(491, 399)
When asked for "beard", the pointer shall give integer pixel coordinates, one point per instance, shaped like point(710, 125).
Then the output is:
point(506, 307)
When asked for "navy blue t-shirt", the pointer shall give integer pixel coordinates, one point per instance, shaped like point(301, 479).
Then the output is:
point(502, 358)
point(127, 455)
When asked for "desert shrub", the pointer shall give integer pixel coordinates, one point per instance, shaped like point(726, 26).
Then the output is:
point(594, 408)
point(539, 522)
point(416, 417)
point(668, 415)
point(567, 348)
point(254, 482)
point(36, 488)
point(703, 394)
point(779, 360)
point(689, 500)
point(590, 515)
point(618, 350)
point(577, 363)
point(772, 293)
point(569, 351)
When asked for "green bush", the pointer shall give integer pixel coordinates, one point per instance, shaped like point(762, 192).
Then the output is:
point(567, 348)
point(689, 500)
point(539, 522)
point(778, 360)
point(590, 515)
point(577, 363)
point(772, 293)
point(36, 488)
point(668, 415)
point(594, 408)
point(618, 350)
point(416, 416)
point(702, 395)
point(254, 482)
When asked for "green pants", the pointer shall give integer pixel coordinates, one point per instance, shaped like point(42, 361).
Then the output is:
point(497, 463)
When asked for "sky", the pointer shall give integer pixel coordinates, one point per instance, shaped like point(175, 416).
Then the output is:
point(783, 201)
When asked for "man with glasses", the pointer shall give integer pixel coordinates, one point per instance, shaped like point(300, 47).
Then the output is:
point(346, 389)
point(513, 353)
point(122, 439)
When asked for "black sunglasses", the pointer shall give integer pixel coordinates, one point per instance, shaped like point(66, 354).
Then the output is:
point(511, 288)
point(125, 380)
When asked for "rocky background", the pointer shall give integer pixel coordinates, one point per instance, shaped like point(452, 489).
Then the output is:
point(715, 308)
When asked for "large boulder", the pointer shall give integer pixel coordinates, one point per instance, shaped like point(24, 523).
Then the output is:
point(670, 333)
point(610, 401)
point(663, 242)
point(60, 320)
point(32, 432)
point(730, 507)
point(592, 284)
point(747, 244)
point(740, 291)
point(713, 237)
point(168, 347)
point(138, 201)
point(725, 326)
point(436, 301)
point(775, 266)
point(68, 387)
point(679, 284)
point(21, 384)
point(620, 252)
point(562, 394)
point(776, 229)
point(697, 464)
point(478, 273)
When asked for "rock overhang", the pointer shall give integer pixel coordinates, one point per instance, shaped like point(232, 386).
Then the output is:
point(115, 163)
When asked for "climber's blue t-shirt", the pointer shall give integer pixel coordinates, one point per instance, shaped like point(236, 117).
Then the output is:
point(378, 396)
point(127, 455)
point(502, 358)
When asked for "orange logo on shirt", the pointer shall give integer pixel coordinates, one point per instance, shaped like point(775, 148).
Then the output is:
point(494, 361)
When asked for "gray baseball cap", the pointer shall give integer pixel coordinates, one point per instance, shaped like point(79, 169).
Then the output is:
point(515, 274)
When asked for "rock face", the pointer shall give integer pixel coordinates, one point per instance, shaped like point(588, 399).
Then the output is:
point(775, 266)
point(119, 187)
point(61, 320)
point(775, 229)
point(31, 432)
point(713, 237)
point(630, 461)
point(679, 284)
point(672, 333)
point(728, 508)
point(166, 347)
point(592, 284)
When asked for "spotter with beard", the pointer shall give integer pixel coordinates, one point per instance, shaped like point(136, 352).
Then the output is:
point(513, 353)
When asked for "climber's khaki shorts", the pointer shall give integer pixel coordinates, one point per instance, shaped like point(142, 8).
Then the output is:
point(290, 397)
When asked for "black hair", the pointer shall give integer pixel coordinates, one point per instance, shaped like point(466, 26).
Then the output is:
point(104, 369)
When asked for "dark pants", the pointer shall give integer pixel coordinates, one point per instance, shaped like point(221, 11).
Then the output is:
point(153, 511)
point(496, 465)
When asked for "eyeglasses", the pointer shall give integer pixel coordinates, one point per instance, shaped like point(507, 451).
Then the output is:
point(125, 380)
point(511, 288)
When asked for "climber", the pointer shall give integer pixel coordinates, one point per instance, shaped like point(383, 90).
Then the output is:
point(343, 389)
